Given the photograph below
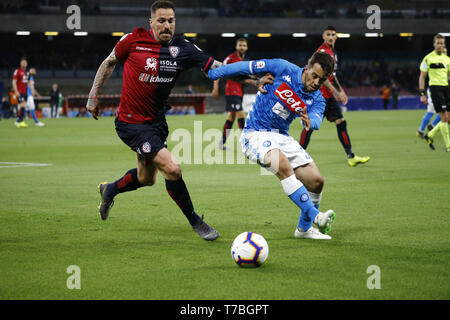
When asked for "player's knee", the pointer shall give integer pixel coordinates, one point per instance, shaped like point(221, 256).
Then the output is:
point(284, 169)
point(147, 180)
point(318, 182)
point(173, 171)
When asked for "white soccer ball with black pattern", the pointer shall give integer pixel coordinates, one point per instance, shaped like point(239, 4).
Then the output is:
point(249, 250)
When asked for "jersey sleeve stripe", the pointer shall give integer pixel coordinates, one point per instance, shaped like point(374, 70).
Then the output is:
point(208, 64)
point(250, 66)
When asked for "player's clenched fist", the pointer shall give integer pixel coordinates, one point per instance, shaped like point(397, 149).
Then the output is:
point(92, 107)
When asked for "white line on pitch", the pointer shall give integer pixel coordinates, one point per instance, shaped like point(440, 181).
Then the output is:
point(24, 164)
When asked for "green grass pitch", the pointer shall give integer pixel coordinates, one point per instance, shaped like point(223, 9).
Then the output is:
point(392, 212)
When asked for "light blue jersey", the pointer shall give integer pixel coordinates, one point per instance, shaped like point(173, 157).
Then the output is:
point(29, 90)
point(284, 100)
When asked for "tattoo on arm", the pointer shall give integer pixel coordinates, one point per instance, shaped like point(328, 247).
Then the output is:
point(336, 84)
point(104, 72)
point(216, 64)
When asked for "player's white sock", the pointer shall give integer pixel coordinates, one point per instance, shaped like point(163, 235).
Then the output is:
point(291, 184)
point(315, 198)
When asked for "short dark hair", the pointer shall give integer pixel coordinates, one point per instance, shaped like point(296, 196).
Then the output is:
point(332, 28)
point(162, 4)
point(325, 61)
point(241, 40)
point(438, 36)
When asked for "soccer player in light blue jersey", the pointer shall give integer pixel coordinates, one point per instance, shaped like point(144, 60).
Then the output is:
point(31, 93)
point(265, 139)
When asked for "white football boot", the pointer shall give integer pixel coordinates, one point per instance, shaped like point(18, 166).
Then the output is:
point(311, 233)
point(324, 220)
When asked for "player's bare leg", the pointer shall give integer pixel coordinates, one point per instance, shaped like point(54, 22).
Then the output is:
point(177, 190)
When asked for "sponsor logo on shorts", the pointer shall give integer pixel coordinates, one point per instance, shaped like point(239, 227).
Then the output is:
point(146, 147)
point(267, 144)
point(304, 197)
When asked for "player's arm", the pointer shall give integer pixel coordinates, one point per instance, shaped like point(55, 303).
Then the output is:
point(244, 72)
point(316, 113)
point(103, 73)
point(241, 76)
point(422, 77)
point(341, 95)
point(215, 90)
point(14, 85)
point(34, 91)
point(259, 83)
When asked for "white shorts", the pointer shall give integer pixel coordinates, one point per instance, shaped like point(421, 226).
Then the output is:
point(256, 144)
point(430, 105)
point(30, 103)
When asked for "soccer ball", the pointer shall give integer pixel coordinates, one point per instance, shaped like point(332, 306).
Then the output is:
point(249, 250)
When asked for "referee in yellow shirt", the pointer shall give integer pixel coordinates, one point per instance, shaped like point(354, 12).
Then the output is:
point(437, 65)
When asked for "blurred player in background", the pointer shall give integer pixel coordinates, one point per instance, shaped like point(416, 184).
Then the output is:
point(19, 84)
point(265, 139)
point(54, 100)
point(437, 66)
point(429, 114)
point(31, 93)
point(333, 112)
point(233, 92)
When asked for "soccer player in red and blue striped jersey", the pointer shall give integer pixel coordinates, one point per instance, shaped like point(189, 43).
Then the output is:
point(153, 60)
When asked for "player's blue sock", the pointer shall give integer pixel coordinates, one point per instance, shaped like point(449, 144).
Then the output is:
point(436, 120)
point(426, 118)
point(33, 114)
point(297, 192)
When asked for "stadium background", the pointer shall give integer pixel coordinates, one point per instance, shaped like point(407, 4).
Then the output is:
point(391, 212)
point(365, 63)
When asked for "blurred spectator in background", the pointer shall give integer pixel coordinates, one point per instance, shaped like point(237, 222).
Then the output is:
point(54, 100)
point(395, 90)
point(190, 89)
point(13, 102)
point(385, 95)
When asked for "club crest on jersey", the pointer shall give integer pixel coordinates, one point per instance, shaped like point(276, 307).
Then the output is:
point(266, 143)
point(151, 64)
point(174, 51)
point(290, 99)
